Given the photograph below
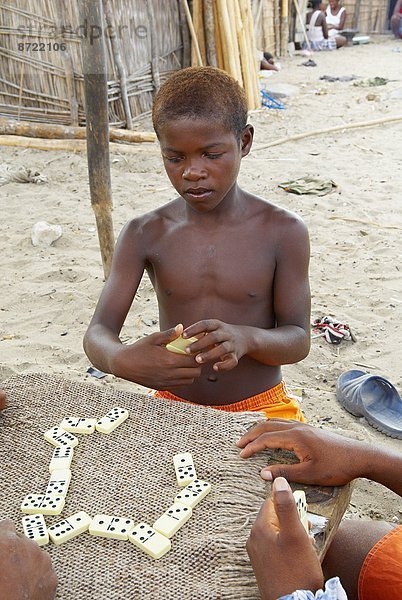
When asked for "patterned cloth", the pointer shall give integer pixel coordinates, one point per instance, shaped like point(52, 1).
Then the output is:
point(333, 591)
point(277, 403)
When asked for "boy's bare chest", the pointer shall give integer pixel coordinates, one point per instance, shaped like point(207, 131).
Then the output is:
point(234, 267)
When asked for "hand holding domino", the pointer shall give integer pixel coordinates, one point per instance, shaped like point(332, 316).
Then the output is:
point(179, 345)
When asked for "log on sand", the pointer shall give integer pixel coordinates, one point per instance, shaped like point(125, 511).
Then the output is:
point(66, 145)
point(50, 131)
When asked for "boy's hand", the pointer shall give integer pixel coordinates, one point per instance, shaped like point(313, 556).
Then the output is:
point(25, 570)
point(324, 456)
point(222, 344)
point(3, 399)
point(280, 551)
point(148, 363)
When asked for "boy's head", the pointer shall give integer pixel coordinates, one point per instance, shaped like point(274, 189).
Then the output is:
point(201, 93)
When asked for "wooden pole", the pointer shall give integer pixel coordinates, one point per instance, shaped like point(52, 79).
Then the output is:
point(192, 32)
point(70, 145)
point(244, 54)
point(209, 27)
point(198, 21)
point(277, 27)
point(121, 69)
point(233, 30)
point(306, 134)
point(185, 35)
point(302, 25)
point(218, 37)
point(284, 27)
point(245, 9)
point(226, 38)
point(97, 124)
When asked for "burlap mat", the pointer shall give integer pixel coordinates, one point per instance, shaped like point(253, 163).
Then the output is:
point(130, 473)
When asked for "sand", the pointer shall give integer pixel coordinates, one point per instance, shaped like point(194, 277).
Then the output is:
point(48, 295)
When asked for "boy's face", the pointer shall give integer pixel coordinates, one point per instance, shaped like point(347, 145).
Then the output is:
point(202, 159)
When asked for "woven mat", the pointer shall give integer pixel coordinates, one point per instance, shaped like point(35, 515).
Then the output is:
point(130, 473)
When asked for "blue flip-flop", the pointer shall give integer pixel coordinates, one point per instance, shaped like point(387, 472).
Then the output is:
point(382, 405)
point(372, 397)
point(347, 391)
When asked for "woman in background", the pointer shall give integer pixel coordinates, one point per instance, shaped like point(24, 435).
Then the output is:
point(336, 17)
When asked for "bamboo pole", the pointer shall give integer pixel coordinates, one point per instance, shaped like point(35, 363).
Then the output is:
point(198, 21)
point(218, 38)
point(245, 10)
point(233, 32)
point(209, 28)
point(192, 32)
point(97, 123)
point(277, 27)
point(227, 39)
point(284, 27)
point(53, 131)
point(306, 134)
point(244, 53)
point(69, 145)
point(121, 69)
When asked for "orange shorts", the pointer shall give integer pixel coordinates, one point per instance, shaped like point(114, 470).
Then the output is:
point(381, 577)
point(276, 402)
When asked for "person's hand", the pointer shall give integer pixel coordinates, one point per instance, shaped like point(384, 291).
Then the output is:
point(221, 343)
point(3, 400)
point(26, 572)
point(150, 364)
point(325, 457)
point(281, 553)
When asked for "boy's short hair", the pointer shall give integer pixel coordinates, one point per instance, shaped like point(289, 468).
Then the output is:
point(201, 92)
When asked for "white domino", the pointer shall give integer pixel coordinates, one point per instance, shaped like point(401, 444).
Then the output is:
point(69, 528)
point(34, 527)
point(111, 420)
point(193, 493)
point(150, 541)
point(109, 526)
point(44, 504)
point(173, 519)
point(61, 458)
point(59, 482)
point(60, 438)
point(301, 505)
point(184, 467)
point(78, 425)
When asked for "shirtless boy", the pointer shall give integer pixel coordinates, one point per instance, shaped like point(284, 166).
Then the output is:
point(227, 266)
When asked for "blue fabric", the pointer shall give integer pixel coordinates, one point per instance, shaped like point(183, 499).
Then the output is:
point(333, 591)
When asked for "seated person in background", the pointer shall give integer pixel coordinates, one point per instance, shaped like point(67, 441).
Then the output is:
point(396, 20)
point(365, 555)
point(336, 17)
point(227, 266)
point(267, 62)
point(317, 30)
point(26, 572)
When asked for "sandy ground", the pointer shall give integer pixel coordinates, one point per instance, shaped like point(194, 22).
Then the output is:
point(48, 295)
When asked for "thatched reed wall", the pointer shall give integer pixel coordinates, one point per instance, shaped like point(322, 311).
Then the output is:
point(44, 83)
point(369, 16)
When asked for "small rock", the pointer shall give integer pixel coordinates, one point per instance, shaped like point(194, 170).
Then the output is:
point(44, 234)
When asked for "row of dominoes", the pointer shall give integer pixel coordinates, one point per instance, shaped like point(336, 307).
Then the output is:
point(62, 436)
point(154, 540)
point(52, 501)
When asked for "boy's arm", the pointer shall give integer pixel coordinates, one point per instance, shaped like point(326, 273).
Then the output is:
point(134, 362)
point(324, 456)
point(289, 341)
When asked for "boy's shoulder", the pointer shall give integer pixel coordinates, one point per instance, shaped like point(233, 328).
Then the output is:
point(156, 219)
point(275, 215)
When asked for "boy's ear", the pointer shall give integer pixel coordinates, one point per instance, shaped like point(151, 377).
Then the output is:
point(246, 140)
